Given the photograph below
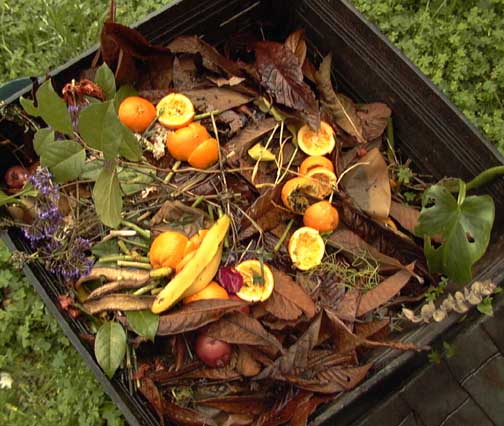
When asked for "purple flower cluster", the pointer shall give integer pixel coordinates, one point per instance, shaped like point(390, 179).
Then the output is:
point(65, 256)
point(74, 111)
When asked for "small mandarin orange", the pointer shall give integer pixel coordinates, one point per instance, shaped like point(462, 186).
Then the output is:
point(205, 155)
point(182, 142)
point(211, 291)
point(167, 249)
point(136, 113)
point(321, 216)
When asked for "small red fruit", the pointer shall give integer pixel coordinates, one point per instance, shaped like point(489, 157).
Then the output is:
point(16, 176)
point(213, 352)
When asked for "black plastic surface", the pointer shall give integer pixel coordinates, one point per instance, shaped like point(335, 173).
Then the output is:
point(428, 129)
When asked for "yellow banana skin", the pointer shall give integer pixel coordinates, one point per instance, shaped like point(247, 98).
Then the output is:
point(205, 254)
point(206, 275)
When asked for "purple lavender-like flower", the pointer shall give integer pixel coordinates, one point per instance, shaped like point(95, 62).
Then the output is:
point(74, 263)
point(74, 111)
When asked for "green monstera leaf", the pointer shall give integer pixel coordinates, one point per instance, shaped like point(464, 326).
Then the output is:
point(464, 226)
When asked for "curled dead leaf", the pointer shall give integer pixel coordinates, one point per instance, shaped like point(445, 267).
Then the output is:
point(118, 302)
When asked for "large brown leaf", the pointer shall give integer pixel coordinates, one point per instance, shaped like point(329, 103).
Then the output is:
point(281, 75)
point(286, 287)
point(385, 291)
point(368, 185)
point(296, 43)
point(175, 215)
point(282, 308)
point(341, 109)
point(150, 391)
point(374, 118)
point(247, 365)
point(406, 216)
point(264, 213)
point(195, 315)
point(305, 409)
point(185, 74)
point(185, 416)
point(347, 307)
point(348, 241)
point(212, 59)
point(284, 409)
point(238, 146)
point(214, 98)
point(242, 329)
point(253, 404)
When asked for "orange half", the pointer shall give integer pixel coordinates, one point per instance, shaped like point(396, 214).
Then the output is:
point(205, 155)
point(258, 281)
point(306, 248)
point(175, 111)
point(316, 143)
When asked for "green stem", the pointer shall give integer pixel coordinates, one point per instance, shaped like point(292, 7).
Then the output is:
point(198, 201)
point(156, 291)
point(135, 243)
point(485, 177)
point(123, 248)
point(207, 114)
point(143, 232)
point(169, 176)
point(145, 289)
point(116, 257)
point(284, 236)
point(161, 272)
point(132, 264)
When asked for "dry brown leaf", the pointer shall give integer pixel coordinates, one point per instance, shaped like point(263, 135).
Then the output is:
point(281, 307)
point(253, 404)
point(237, 147)
point(241, 329)
point(176, 216)
point(113, 287)
point(195, 315)
point(374, 118)
point(289, 289)
point(185, 416)
point(151, 393)
point(216, 99)
point(118, 302)
point(368, 185)
point(347, 307)
point(305, 409)
point(406, 216)
point(370, 329)
point(247, 365)
point(239, 420)
point(115, 274)
point(385, 291)
point(232, 81)
point(296, 43)
point(341, 109)
point(283, 410)
point(185, 74)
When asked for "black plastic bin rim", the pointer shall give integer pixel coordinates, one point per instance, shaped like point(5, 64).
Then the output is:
point(422, 336)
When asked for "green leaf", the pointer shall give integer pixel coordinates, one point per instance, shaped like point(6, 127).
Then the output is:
point(130, 146)
point(91, 170)
point(107, 197)
point(485, 307)
point(42, 138)
point(106, 80)
point(101, 129)
point(124, 92)
point(105, 248)
point(110, 347)
point(143, 323)
point(64, 159)
point(465, 228)
point(50, 107)
point(135, 179)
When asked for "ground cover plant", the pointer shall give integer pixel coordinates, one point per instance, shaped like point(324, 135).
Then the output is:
point(213, 228)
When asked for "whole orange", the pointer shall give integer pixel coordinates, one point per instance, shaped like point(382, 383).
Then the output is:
point(167, 249)
point(182, 142)
point(321, 216)
point(211, 291)
point(136, 113)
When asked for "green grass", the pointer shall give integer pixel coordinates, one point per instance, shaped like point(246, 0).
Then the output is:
point(459, 44)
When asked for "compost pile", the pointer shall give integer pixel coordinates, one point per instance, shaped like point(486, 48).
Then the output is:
point(232, 229)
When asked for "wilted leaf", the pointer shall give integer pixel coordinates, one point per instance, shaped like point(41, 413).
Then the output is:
point(368, 185)
point(240, 144)
point(110, 347)
point(341, 109)
point(374, 118)
point(406, 216)
point(115, 274)
point(385, 291)
point(212, 59)
point(347, 307)
point(176, 216)
point(195, 315)
point(348, 241)
point(254, 404)
point(185, 74)
point(281, 307)
point(50, 107)
point(296, 43)
point(286, 287)
point(465, 226)
point(158, 74)
point(284, 408)
point(107, 197)
point(150, 391)
point(114, 287)
point(214, 99)
point(143, 323)
point(185, 416)
point(280, 73)
point(119, 302)
point(242, 329)
point(246, 364)
point(303, 411)
point(264, 213)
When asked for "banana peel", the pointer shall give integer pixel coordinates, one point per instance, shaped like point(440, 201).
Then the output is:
point(191, 273)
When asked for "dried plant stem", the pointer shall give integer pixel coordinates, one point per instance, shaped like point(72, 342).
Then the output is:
point(133, 264)
point(287, 169)
point(207, 114)
point(115, 258)
point(278, 245)
point(256, 166)
point(353, 166)
point(143, 232)
point(161, 272)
